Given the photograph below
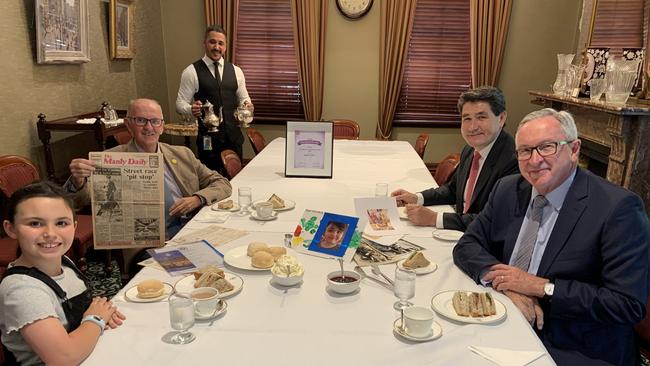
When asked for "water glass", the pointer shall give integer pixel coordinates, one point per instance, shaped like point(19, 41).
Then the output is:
point(597, 89)
point(181, 317)
point(381, 189)
point(245, 197)
point(404, 287)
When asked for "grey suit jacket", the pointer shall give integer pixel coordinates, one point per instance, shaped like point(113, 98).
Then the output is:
point(192, 177)
point(499, 163)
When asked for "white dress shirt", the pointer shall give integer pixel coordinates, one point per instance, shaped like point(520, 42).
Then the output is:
point(190, 85)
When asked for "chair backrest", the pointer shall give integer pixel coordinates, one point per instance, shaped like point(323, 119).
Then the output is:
point(122, 137)
point(231, 162)
point(16, 172)
point(421, 144)
point(446, 168)
point(346, 129)
point(257, 140)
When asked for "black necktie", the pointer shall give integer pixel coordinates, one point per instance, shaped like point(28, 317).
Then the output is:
point(216, 72)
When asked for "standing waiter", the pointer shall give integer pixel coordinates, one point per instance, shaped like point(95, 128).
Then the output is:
point(214, 79)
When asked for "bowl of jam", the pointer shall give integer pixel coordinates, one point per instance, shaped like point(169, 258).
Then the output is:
point(343, 283)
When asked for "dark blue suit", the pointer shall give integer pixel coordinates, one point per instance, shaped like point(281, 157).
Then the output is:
point(598, 256)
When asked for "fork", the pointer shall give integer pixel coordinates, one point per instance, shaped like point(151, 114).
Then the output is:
point(378, 272)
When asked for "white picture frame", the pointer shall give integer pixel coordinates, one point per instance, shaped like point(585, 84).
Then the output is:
point(309, 149)
point(62, 29)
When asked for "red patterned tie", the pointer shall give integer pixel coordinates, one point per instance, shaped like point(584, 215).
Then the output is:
point(471, 181)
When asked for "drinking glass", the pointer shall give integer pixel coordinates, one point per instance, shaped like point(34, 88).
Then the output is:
point(181, 317)
point(244, 198)
point(404, 287)
point(381, 189)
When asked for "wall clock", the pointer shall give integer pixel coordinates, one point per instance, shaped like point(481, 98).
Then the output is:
point(354, 9)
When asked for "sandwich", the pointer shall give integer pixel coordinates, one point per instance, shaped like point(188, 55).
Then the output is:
point(460, 302)
point(206, 269)
point(225, 205)
point(150, 289)
point(474, 304)
point(416, 260)
point(276, 201)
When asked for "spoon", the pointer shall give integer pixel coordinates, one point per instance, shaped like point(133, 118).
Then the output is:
point(342, 271)
point(377, 271)
point(402, 329)
point(288, 270)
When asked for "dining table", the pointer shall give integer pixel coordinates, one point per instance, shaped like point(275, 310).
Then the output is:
point(308, 324)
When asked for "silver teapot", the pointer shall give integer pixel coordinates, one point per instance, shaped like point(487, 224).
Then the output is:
point(211, 120)
point(244, 114)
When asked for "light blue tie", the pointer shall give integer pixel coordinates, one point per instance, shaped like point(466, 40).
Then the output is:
point(529, 237)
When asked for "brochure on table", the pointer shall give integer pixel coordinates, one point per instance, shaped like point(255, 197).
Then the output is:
point(378, 216)
point(187, 258)
point(326, 234)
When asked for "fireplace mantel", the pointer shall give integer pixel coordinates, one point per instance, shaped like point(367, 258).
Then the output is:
point(624, 129)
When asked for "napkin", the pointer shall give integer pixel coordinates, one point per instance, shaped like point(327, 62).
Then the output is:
point(212, 216)
point(92, 120)
point(506, 357)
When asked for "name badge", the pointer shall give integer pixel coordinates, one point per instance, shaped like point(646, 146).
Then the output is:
point(207, 143)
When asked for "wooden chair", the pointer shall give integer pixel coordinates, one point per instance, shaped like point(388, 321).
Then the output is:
point(421, 144)
point(231, 162)
point(446, 168)
point(17, 172)
point(346, 129)
point(256, 139)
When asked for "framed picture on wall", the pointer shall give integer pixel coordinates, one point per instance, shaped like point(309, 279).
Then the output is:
point(61, 31)
point(122, 29)
point(309, 149)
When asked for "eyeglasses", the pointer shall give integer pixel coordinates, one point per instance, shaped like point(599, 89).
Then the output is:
point(141, 121)
point(545, 149)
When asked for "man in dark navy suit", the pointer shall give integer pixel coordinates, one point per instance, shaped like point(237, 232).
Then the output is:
point(570, 249)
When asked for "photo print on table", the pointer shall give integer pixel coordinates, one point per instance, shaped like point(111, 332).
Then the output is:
point(370, 252)
point(378, 216)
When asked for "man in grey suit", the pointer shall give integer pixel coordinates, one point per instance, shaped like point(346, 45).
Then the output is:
point(188, 183)
point(488, 156)
point(570, 249)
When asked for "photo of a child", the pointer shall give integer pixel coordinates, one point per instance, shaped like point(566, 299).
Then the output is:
point(333, 235)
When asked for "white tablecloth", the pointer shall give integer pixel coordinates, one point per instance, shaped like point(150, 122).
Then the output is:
point(307, 325)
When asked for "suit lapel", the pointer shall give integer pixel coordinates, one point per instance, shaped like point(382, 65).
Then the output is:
point(173, 167)
point(524, 190)
point(571, 211)
point(488, 167)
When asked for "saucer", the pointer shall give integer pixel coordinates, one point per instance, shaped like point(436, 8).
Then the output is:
point(288, 205)
point(436, 332)
point(447, 235)
point(273, 216)
point(223, 305)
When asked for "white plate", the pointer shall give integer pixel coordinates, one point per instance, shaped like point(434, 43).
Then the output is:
point(238, 258)
point(447, 235)
point(423, 270)
point(274, 215)
point(132, 294)
point(288, 205)
point(235, 207)
point(436, 332)
point(442, 304)
point(186, 284)
point(222, 309)
point(401, 211)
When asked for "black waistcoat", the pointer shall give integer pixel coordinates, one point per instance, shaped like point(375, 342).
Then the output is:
point(223, 95)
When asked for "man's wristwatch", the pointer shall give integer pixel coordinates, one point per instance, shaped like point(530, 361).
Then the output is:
point(549, 287)
point(101, 323)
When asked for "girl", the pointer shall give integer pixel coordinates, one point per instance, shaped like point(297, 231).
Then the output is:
point(47, 313)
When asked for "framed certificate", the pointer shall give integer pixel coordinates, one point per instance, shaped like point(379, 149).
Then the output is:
point(309, 149)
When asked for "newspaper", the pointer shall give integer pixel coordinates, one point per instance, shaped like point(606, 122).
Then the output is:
point(127, 200)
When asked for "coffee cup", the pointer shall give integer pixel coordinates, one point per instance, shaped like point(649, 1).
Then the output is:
point(206, 300)
point(418, 321)
point(264, 209)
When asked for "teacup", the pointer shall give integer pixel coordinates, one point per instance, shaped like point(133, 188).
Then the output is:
point(264, 209)
point(206, 300)
point(418, 321)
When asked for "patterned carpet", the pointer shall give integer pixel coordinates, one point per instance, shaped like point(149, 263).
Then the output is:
point(104, 284)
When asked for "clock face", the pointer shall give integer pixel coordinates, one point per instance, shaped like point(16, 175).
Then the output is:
point(354, 9)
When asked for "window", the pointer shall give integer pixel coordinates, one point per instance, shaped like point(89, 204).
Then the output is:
point(437, 68)
point(263, 47)
point(618, 24)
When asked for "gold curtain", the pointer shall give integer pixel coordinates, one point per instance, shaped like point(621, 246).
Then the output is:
point(222, 12)
point(396, 22)
point(488, 31)
point(309, 25)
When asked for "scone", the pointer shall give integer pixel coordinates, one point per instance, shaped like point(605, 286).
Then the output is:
point(255, 247)
point(277, 251)
point(262, 259)
point(276, 201)
point(225, 205)
point(149, 289)
point(416, 260)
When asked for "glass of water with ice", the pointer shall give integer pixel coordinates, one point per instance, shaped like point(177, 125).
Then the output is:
point(404, 287)
point(244, 198)
point(181, 317)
